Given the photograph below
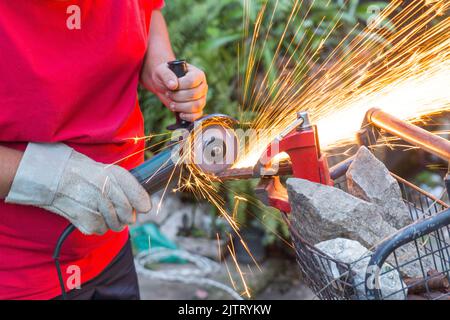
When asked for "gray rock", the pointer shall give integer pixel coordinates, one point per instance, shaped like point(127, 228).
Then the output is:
point(353, 253)
point(397, 214)
point(322, 213)
point(370, 180)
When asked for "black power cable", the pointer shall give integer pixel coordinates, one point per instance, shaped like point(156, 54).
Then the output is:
point(56, 255)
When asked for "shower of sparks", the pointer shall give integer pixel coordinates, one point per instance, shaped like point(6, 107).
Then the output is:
point(408, 98)
point(232, 253)
point(393, 142)
point(237, 200)
point(137, 139)
point(403, 69)
point(206, 187)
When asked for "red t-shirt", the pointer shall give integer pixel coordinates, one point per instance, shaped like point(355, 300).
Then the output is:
point(69, 72)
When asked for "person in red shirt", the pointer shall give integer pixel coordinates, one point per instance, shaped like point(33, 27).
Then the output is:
point(68, 108)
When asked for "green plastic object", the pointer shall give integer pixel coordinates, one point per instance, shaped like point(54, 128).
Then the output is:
point(148, 236)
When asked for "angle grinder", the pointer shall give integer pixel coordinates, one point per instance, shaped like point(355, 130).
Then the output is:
point(208, 144)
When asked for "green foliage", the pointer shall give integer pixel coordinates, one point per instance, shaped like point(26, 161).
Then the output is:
point(210, 35)
point(204, 33)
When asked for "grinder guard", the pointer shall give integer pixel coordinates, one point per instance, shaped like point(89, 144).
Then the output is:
point(155, 173)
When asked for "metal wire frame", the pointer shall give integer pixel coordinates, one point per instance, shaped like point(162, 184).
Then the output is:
point(316, 268)
point(432, 253)
point(425, 242)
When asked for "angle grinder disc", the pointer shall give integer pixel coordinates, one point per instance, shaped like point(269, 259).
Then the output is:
point(215, 148)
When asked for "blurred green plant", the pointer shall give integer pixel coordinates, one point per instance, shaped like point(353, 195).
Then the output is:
point(210, 35)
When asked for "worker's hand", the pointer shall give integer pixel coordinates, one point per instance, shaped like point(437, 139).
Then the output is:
point(186, 95)
point(93, 196)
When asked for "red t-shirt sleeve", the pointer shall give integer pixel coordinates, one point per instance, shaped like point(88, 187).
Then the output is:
point(157, 4)
point(149, 6)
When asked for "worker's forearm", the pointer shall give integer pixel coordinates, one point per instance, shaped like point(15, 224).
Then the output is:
point(185, 96)
point(9, 162)
point(159, 48)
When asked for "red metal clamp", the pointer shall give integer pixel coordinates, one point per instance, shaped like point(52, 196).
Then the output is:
point(301, 144)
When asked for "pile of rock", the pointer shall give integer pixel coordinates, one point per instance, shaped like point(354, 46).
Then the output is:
point(347, 225)
point(353, 253)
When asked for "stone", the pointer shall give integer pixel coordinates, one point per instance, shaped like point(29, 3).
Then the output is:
point(370, 180)
point(321, 213)
point(357, 256)
point(396, 213)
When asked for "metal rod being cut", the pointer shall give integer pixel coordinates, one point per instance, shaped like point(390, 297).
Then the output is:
point(284, 169)
point(419, 137)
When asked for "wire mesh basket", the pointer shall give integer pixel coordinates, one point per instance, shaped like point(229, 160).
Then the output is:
point(385, 272)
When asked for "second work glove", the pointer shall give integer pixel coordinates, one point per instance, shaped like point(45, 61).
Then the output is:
point(93, 196)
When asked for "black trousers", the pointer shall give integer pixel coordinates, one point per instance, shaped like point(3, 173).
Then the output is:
point(117, 282)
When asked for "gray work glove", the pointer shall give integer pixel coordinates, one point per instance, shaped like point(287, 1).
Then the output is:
point(93, 196)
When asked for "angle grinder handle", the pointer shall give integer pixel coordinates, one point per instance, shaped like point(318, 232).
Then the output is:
point(179, 67)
